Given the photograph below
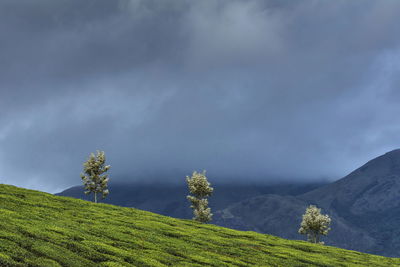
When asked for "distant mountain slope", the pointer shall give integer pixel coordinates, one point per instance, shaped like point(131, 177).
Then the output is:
point(281, 216)
point(40, 229)
point(364, 205)
point(368, 198)
point(374, 187)
point(170, 199)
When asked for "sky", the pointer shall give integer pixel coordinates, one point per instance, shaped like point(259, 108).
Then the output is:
point(251, 91)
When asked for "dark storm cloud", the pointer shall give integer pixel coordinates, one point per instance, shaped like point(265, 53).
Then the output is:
point(249, 90)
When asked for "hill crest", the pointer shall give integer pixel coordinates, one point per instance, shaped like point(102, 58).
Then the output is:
point(40, 229)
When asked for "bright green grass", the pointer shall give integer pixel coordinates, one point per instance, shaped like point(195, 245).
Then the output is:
point(39, 229)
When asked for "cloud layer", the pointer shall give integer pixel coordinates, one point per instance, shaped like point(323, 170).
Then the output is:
point(248, 90)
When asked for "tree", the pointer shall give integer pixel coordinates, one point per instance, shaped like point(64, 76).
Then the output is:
point(93, 178)
point(314, 224)
point(200, 188)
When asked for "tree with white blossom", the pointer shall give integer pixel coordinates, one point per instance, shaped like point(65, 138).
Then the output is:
point(314, 224)
point(94, 179)
point(200, 189)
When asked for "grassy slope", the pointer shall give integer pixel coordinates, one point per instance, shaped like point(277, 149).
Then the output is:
point(39, 229)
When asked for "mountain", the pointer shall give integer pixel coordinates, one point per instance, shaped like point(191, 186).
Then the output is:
point(40, 229)
point(281, 216)
point(170, 199)
point(364, 206)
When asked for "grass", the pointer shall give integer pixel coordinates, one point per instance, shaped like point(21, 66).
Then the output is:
point(39, 229)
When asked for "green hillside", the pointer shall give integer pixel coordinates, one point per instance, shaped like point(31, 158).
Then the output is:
point(39, 229)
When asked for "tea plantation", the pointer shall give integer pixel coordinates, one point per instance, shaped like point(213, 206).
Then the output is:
point(40, 229)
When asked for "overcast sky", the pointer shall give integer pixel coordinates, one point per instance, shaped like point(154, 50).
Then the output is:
point(248, 90)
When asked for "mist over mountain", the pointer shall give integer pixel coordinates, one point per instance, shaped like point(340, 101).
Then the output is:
point(303, 89)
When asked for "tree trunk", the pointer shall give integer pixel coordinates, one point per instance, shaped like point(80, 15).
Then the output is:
point(95, 197)
point(313, 237)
